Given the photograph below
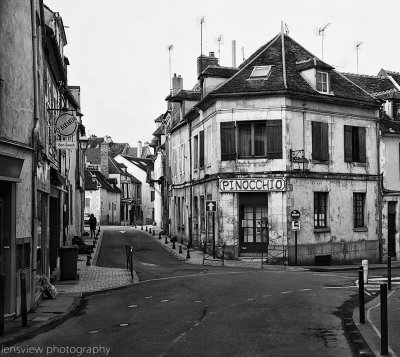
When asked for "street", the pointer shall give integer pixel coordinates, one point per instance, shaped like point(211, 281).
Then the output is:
point(179, 309)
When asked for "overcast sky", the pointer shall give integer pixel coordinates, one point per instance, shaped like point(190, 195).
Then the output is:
point(118, 49)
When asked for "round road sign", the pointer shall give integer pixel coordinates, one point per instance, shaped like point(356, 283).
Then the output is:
point(295, 214)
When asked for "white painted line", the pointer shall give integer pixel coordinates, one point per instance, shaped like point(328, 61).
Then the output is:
point(123, 325)
point(130, 306)
point(375, 328)
point(286, 292)
point(251, 299)
point(93, 332)
point(197, 301)
point(266, 295)
point(190, 276)
point(122, 232)
point(148, 297)
point(305, 290)
point(164, 300)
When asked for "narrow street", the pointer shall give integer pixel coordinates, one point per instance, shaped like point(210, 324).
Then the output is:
point(179, 309)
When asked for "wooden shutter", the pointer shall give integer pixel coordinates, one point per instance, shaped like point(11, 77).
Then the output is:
point(320, 141)
point(362, 144)
point(201, 148)
point(348, 143)
point(228, 141)
point(274, 139)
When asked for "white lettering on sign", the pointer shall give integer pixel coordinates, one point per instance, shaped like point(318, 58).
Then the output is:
point(252, 185)
point(66, 145)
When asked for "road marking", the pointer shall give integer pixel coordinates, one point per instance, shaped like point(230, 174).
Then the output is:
point(132, 306)
point(164, 300)
point(122, 232)
point(148, 297)
point(197, 301)
point(286, 292)
point(251, 299)
point(375, 328)
point(189, 276)
point(149, 264)
point(305, 290)
point(339, 287)
point(123, 325)
point(93, 332)
point(266, 295)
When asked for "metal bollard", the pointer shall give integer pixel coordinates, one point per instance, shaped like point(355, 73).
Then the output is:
point(166, 240)
point(384, 320)
point(150, 230)
point(173, 244)
point(24, 311)
point(159, 235)
point(180, 249)
point(146, 229)
point(154, 232)
point(88, 257)
point(361, 295)
point(389, 273)
point(142, 227)
point(187, 254)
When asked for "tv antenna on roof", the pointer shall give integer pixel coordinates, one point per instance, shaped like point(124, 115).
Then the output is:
point(320, 31)
point(201, 43)
point(170, 47)
point(358, 44)
point(220, 41)
point(243, 53)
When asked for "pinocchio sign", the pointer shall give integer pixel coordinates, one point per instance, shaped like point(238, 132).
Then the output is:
point(253, 184)
point(66, 125)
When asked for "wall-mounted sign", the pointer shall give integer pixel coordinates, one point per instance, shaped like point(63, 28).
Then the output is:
point(66, 145)
point(295, 214)
point(252, 184)
point(66, 124)
point(93, 167)
point(211, 206)
point(295, 225)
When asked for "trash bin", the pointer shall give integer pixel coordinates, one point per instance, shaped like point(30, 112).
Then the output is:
point(69, 262)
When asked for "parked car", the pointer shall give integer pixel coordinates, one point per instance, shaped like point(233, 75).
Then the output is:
point(86, 218)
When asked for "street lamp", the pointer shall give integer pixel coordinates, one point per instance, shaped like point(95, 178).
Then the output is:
point(299, 162)
point(83, 142)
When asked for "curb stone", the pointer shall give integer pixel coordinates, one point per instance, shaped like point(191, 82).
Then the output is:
point(354, 336)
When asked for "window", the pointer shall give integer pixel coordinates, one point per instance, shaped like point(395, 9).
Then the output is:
point(152, 196)
point(23, 255)
point(201, 148)
point(195, 212)
point(255, 139)
point(322, 82)
point(358, 209)
point(195, 151)
point(260, 72)
point(202, 214)
point(354, 144)
point(320, 142)
point(320, 209)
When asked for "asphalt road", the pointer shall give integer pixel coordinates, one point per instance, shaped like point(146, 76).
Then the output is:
point(179, 309)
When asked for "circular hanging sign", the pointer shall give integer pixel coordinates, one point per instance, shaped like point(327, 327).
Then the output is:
point(66, 124)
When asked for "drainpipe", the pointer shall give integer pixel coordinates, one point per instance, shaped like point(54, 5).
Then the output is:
point(380, 194)
point(190, 187)
point(35, 134)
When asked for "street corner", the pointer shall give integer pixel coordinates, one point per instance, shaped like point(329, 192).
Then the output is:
point(355, 337)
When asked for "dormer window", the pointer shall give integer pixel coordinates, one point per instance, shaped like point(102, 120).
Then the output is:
point(260, 72)
point(322, 82)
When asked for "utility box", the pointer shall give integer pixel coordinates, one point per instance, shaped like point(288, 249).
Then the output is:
point(69, 262)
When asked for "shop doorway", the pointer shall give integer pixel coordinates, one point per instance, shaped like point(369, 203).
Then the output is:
point(253, 222)
point(54, 232)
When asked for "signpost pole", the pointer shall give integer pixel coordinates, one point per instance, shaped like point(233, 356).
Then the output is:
point(295, 247)
point(213, 232)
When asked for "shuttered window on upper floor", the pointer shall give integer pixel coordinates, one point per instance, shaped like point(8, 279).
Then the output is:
point(201, 148)
point(354, 144)
point(320, 141)
point(261, 139)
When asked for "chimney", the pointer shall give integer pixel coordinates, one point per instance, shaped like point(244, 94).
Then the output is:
point(233, 53)
point(139, 149)
point(177, 84)
point(104, 158)
point(203, 62)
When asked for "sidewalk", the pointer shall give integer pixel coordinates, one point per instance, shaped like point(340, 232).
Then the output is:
point(52, 312)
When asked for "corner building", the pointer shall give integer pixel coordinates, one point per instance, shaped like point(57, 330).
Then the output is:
point(284, 131)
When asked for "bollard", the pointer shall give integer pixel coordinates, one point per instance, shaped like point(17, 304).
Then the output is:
point(361, 295)
point(181, 240)
point(384, 320)
point(159, 235)
point(150, 230)
point(142, 227)
point(364, 264)
point(88, 257)
point(24, 311)
point(146, 228)
point(2, 301)
point(389, 273)
point(187, 254)
point(166, 240)
point(173, 244)
point(154, 232)
point(180, 249)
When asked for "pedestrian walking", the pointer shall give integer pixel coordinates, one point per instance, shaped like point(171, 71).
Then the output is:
point(92, 224)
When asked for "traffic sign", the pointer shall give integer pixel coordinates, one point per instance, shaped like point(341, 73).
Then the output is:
point(295, 214)
point(211, 206)
point(295, 225)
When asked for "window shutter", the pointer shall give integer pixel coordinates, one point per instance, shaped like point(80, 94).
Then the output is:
point(274, 139)
point(320, 142)
point(201, 148)
point(348, 143)
point(362, 143)
point(228, 141)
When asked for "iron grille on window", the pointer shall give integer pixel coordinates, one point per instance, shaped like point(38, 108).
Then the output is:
point(320, 209)
point(358, 209)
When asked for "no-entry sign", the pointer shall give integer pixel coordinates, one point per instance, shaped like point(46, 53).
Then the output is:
point(295, 214)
